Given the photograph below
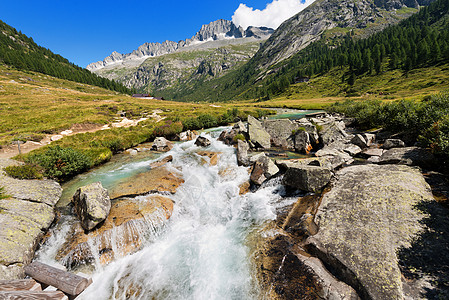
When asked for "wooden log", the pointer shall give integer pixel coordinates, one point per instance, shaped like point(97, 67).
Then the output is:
point(19, 285)
point(67, 282)
point(33, 295)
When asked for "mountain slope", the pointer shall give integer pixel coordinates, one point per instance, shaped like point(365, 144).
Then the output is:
point(328, 21)
point(166, 69)
point(20, 51)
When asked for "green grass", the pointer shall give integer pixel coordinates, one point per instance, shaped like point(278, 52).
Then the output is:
point(2, 193)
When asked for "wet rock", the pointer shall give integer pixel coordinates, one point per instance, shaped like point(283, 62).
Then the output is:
point(92, 205)
point(411, 156)
point(300, 220)
point(212, 157)
point(162, 179)
point(244, 188)
point(393, 143)
point(257, 134)
point(242, 153)
point(201, 141)
point(285, 271)
point(364, 219)
point(187, 135)
point(121, 233)
point(161, 144)
point(307, 178)
point(264, 168)
point(281, 132)
point(161, 162)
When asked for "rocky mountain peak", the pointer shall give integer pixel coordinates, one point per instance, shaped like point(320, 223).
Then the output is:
point(214, 31)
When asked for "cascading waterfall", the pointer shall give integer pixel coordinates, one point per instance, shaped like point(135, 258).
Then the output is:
point(201, 252)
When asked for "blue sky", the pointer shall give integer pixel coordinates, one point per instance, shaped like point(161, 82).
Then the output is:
point(88, 31)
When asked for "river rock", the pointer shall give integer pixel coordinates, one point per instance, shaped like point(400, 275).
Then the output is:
point(242, 153)
point(337, 157)
point(302, 142)
point(281, 132)
point(393, 143)
point(24, 218)
point(363, 140)
point(332, 131)
point(121, 233)
point(161, 162)
point(310, 161)
point(212, 157)
point(300, 220)
point(285, 271)
point(307, 126)
point(187, 135)
point(264, 168)
point(201, 141)
point(372, 152)
point(257, 134)
point(162, 179)
point(92, 205)
point(367, 216)
point(411, 156)
point(161, 144)
point(307, 177)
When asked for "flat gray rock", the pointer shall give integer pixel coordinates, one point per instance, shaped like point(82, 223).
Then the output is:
point(367, 216)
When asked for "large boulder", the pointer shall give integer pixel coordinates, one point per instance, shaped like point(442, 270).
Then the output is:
point(161, 179)
point(264, 168)
point(307, 126)
point(187, 135)
point(367, 216)
point(92, 205)
point(309, 178)
point(161, 144)
point(363, 140)
point(332, 131)
point(281, 132)
point(257, 134)
point(120, 235)
point(411, 156)
point(24, 218)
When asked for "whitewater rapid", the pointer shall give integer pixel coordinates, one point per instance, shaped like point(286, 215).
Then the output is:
point(201, 252)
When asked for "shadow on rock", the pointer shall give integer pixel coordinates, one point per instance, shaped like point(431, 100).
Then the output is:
point(425, 265)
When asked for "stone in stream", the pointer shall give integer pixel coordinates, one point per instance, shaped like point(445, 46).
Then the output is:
point(212, 157)
point(363, 140)
point(264, 168)
point(302, 142)
point(120, 233)
point(242, 153)
point(366, 217)
point(92, 205)
point(161, 162)
point(309, 178)
point(161, 179)
point(161, 144)
point(257, 134)
point(281, 132)
point(201, 141)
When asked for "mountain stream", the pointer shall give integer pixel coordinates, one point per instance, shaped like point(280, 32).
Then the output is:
point(202, 251)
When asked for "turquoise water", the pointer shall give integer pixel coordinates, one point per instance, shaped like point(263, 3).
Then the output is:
point(292, 114)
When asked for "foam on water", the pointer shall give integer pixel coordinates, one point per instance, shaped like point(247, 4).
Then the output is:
point(201, 251)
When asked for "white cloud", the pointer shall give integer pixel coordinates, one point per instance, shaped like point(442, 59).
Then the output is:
point(272, 16)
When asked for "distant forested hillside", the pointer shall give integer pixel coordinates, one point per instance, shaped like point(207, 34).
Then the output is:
point(21, 52)
point(421, 40)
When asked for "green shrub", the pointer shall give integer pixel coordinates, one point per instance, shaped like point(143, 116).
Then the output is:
point(115, 145)
point(239, 137)
point(168, 129)
point(26, 171)
point(207, 121)
point(2, 193)
point(191, 124)
point(61, 163)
